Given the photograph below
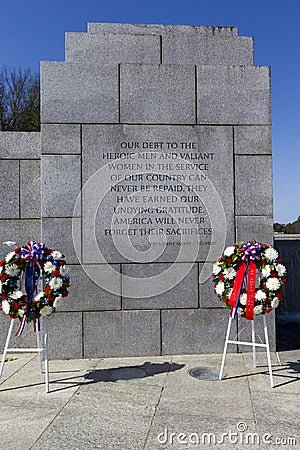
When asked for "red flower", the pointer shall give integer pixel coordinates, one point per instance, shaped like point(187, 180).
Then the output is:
point(51, 297)
point(17, 250)
point(48, 289)
point(2, 262)
point(273, 274)
point(4, 277)
point(268, 309)
point(63, 262)
point(65, 293)
point(229, 260)
point(280, 296)
point(68, 282)
point(279, 260)
point(20, 262)
point(12, 316)
point(264, 261)
point(4, 296)
point(56, 273)
point(15, 306)
point(48, 251)
point(284, 280)
point(222, 277)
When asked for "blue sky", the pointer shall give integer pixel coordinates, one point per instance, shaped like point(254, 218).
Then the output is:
point(33, 30)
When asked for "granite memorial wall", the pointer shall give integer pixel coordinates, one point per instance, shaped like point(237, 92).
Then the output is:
point(155, 154)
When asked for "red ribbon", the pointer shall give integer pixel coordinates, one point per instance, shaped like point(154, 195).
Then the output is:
point(235, 295)
point(251, 291)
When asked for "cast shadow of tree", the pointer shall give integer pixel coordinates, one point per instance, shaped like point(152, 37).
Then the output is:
point(147, 369)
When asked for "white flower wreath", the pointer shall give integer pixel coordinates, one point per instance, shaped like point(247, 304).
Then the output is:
point(28, 265)
point(271, 271)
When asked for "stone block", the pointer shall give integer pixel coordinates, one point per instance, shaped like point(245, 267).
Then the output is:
point(110, 48)
point(157, 94)
point(212, 148)
point(65, 335)
point(20, 145)
point(174, 289)
point(30, 189)
point(207, 295)
point(259, 228)
point(87, 295)
point(193, 331)
point(127, 28)
point(27, 339)
point(57, 234)
point(61, 184)
point(253, 185)
point(64, 329)
point(237, 95)
point(252, 140)
point(9, 187)
point(79, 92)
point(121, 333)
point(61, 139)
point(20, 231)
point(193, 49)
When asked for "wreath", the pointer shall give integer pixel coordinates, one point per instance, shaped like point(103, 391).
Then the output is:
point(250, 277)
point(22, 272)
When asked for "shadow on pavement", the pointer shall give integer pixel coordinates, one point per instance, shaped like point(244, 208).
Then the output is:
point(147, 369)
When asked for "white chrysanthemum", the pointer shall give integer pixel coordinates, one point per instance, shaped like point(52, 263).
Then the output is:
point(271, 253)
point(216, 269)
point(56, 283)
point(57, 302)
point(220, 288)
point(281, 269)
point(258, 309)
point(275, 302)
point(49, 267)
point(229, 273)
point(260, 295)
point(46, 311)
point(273, 284)
point(64, 271)
point(21, 312)
point(239, 311)
point(12, 271)
point(243, 299)
point(16, 295)
point(56, 254)
point(9, 256)
point(229, 251)
point(38, 297)
point(266, 271)
point(5, 307)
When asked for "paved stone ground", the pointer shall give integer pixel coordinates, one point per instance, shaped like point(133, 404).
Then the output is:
point(150, 403)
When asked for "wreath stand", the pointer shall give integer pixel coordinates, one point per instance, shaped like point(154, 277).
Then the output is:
point(253, 344)
point(39, 349)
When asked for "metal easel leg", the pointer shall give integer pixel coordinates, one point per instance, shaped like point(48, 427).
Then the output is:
point(253, 342)
point(226, 344)
point(38, 339)
point(46, 354)
point(6, 346)
point(268, 351)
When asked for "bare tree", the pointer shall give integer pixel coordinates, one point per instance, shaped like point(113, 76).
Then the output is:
point(19, 100)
